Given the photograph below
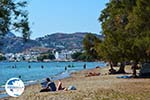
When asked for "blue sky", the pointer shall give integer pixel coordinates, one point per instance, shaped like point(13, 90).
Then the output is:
point(68, 16)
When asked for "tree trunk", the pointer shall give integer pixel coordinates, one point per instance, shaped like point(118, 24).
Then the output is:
point(134, 67)
point(121, 69)
point(111, 70)
point(111, 66)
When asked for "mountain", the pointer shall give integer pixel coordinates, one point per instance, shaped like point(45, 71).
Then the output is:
point(12, 44)
point(63, 41)
point(10, 35)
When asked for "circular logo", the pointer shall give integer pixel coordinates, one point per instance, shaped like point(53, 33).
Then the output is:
point(14, 87)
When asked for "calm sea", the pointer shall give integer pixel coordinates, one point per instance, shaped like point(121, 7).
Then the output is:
point(37, 71)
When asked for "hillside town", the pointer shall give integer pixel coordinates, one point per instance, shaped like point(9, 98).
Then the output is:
point(14, 48)
point(32, 56)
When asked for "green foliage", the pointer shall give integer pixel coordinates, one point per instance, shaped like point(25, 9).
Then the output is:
point(90, 43)
point(2, 58)
point(76, 55)
point(139, 29)
point(46, 56)
point(126, 27)
point(13, 17)
point(79, 56)
point(114, 18)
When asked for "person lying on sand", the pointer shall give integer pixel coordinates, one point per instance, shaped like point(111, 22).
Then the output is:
point(92, 74)
point(59, 86)
point(50, 86)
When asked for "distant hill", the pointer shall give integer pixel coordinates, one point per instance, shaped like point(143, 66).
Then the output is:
point(63, 41)
point(12, 44)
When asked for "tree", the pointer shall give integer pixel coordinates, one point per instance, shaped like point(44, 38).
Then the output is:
point(14, 17)
point(51, 56)
point(126, 27)
point(48, 55)
point(139, 29)
point(82, 56)
point(2, 58)
point(90, 43)
point(76, 55)
point(116, 45)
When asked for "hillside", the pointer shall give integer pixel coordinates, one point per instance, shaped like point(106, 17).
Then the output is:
point(12, 44)
point(63, 41)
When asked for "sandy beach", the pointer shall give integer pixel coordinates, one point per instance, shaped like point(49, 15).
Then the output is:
point(102, 87)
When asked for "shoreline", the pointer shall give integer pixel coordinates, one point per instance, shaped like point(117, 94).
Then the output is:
point(99, 87)
point(34, 71)
point(62, 75)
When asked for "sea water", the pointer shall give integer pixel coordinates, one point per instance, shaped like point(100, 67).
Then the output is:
point(31, 72)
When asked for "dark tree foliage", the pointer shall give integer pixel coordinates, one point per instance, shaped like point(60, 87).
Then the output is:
point(126, 27)
point(139, 30)
point(79, 56)
point(48, 55)
point(45, 56)
point(76, 55)
point(90, 43)
point(2, 58)
point(114, 19)
point(14, 17)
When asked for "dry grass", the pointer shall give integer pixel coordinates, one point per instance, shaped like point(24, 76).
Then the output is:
point(103, 87)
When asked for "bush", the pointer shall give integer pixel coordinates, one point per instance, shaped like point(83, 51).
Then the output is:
point(2, 58)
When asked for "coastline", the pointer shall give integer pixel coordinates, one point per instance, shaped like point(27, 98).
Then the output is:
point(99, 87)
point(62, 75)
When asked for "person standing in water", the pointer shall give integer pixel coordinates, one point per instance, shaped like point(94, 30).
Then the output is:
point(29, 66)
point(42, 66)
point(84, 66)
point(65, 68)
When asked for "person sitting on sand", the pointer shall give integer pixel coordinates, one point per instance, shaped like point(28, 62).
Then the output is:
point(50, 86)
point(59, 86)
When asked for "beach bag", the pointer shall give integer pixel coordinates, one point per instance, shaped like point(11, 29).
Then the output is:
point(72, 87)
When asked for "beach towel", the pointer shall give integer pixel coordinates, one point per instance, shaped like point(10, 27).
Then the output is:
point(124, 77)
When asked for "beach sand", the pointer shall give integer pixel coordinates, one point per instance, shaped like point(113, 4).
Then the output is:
point(102, 87)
